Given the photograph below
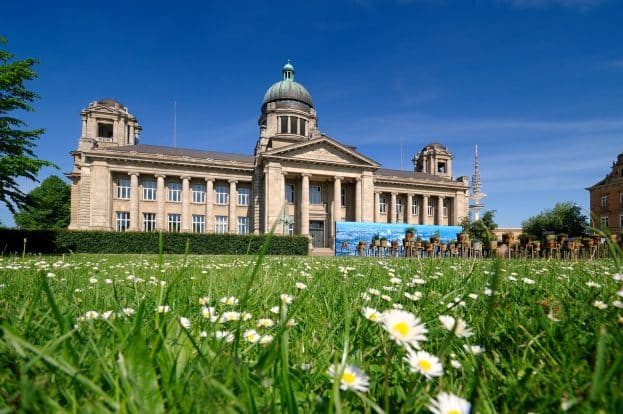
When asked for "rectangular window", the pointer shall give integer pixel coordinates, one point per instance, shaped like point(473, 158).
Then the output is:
point(175, 192)
point(222, 194)
point(149, 190)
point(221, 224)
point(283, 124)
point(243, 225)
point(415, 206)
point(398, 205)
point(175, 223)
point(289, 192)
point(149, 221)
point(198, 193)
point(243, 196)
point(315, 194)
point(382, 204)
point(104, 130)
point(123, 188)
point(604, 201)
point(293, 125)
point(123, 220)
point(604, 222)
point(199, 224)
point(343, 197)
point(431, 207)
point(302, 126)
point(445, 210)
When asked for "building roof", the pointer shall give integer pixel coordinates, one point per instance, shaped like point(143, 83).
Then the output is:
point(384, 172)
point(184, 152)
point(111, 102)
point(288, 89)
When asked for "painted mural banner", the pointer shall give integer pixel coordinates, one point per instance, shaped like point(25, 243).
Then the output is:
point(352, 232)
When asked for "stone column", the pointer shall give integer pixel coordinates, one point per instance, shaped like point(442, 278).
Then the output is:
point(84, 127)
point(134, 197)
point(337, 207)
point(392, 208)
point(409, 208)
point(305, 204)
point(424, 210)
point(160, 197)
point(131, 135)
point(233, 200)
point(377, 201)
point(439, 210)
point(186, 222)
point(209, 205)
point(367, 197)
point(358, 200)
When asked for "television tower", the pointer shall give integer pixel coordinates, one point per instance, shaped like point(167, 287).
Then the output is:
point(475, 198)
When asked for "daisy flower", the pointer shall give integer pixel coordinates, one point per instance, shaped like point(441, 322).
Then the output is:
point(424, 363)
point(474, 349)
point(266, 339)
point(352, 377)
point(163, 309)
point(208, 312)
point(108, 315)
point(300, 285)
point(91, 315)
point(229, 316)
point(404, 327)
point(461, 330)
point(372, 314)
point(229, 300)
point(251, 336)
point(600, 304)
point(265, 323)
point(185, 322)
point(447, 403)
point(128, 311)
point(204, 300)
point(227, 336)
point(285, 298)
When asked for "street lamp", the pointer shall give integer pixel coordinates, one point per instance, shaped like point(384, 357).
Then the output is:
point(285, 220)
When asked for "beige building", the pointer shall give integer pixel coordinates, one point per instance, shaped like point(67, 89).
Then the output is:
point(298, 180)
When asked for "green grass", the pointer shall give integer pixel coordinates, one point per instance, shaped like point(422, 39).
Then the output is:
point(546, 345)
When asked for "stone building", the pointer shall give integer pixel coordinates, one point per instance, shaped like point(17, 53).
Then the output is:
point(298, 179)
point(606, 199)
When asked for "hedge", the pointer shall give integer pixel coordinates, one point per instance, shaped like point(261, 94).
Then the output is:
point(65, 241)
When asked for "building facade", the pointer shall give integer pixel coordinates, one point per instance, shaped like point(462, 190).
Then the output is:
point(297, 181)
point(606, 199)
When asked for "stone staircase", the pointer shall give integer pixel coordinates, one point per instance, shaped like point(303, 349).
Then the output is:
point(321, 251)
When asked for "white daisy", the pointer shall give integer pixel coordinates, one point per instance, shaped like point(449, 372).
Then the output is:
point(266, 339)
point(128, 311)
point(224, 335)
point(352, 378)
point(252, 336)
point(229, 316)
point(91, 315)
point(461, 330)
point(600, 304)
point(163, 309)
point(265, 323)
point(474, 349)
point(447, 403)
point(300, 285)
point(285, 298)
point(229, 300)
point(404, 328)
point(185, 322)
point(424, 363)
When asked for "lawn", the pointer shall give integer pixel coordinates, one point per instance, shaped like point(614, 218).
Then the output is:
point(132, 333)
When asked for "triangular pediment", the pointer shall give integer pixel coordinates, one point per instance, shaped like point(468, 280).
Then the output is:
point(321, 150)
point(104, 109)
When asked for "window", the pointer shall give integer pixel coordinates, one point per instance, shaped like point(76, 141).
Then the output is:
point(398, 205)
point(243, 225)
point(293, 125)
point(104, 130)
point(604, 221)
point(221, 224)
point(243, 196)
point(123, 220)
point(199, 224)
point(175, 223)
point(198, 193)
point(175, 192)
point(445, 210)
point(149, 190)
point(283, 124)
point(431, 207)
point(382, 204)
point(149, 221)
point(414, 206)
point(222, 194)
point(302, 123)
point(123, 188)
point(621, 221)
point(315, 194)
point(604, 201)
point(289, 191)
point(441, 167)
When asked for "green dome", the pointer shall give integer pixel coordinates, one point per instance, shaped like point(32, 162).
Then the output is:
point(287, 89)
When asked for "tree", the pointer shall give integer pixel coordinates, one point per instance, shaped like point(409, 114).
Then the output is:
point(47, 206)
point(17, 158)
point(481, 229)
point(564, 218)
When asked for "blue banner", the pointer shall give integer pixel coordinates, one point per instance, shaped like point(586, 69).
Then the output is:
point(352, 232)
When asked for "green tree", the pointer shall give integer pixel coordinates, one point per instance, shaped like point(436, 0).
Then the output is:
point(47, 206)
point(565, 218)
point(17, 158)
point(481, 229)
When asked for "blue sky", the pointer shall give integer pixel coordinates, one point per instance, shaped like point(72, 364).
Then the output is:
point(536, 84)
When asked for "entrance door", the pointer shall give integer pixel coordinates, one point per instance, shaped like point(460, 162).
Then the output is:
point(316, 230)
